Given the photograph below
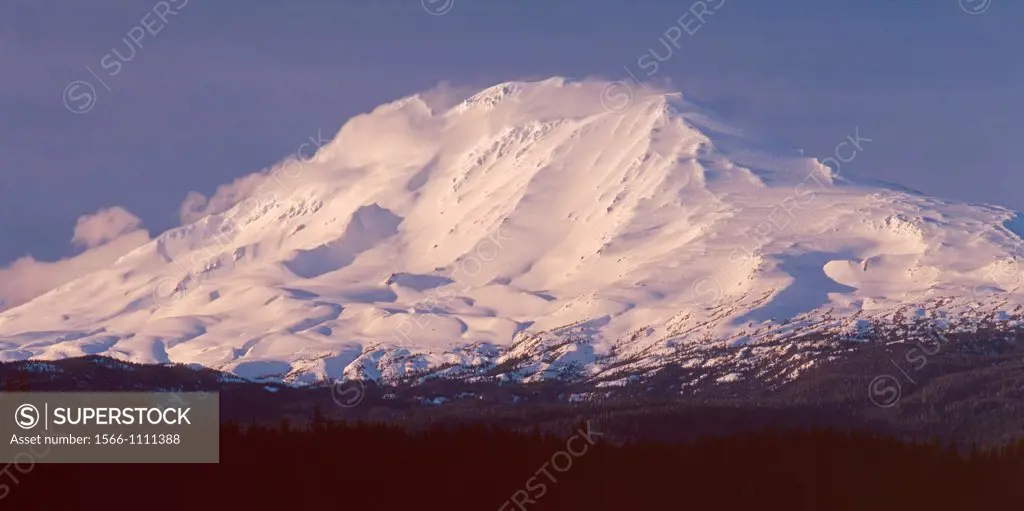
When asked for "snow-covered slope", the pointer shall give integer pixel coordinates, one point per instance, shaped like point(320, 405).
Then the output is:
point(531, 232)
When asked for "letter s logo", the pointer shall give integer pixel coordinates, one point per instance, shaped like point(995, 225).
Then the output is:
point(26, 416)
point(79, 97)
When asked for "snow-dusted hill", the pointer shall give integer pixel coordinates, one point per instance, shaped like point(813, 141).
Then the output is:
point(529, 232)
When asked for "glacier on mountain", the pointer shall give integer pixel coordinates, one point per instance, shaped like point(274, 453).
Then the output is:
point(526, 227)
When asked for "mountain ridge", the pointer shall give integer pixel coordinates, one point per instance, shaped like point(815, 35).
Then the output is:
point(526, 222)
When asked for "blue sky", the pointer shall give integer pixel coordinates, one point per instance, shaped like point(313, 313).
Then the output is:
point(227, 88)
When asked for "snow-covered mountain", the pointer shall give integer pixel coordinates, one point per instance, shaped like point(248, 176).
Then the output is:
point(530, 232)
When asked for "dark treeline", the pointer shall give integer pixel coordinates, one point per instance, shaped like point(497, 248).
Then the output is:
point(336, 465)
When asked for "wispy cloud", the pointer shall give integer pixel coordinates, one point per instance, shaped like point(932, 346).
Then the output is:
point(107, 235)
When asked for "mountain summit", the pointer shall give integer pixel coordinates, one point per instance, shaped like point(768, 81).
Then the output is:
point(528, 226)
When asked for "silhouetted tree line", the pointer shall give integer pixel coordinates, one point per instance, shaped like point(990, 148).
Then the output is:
point(339, 465)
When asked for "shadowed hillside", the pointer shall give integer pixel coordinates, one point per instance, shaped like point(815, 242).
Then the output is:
point(333, 465)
